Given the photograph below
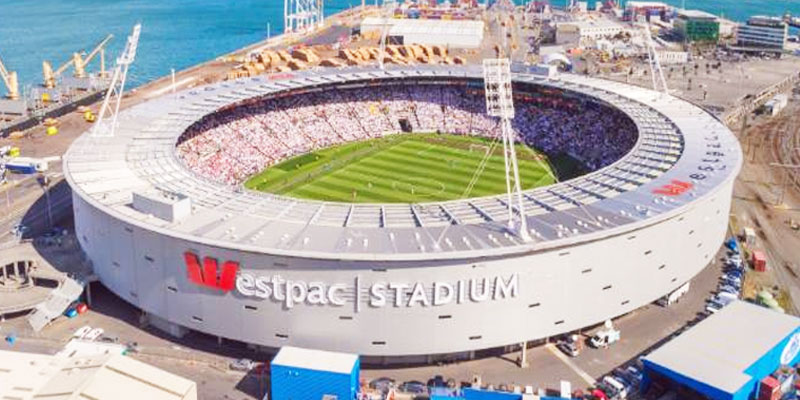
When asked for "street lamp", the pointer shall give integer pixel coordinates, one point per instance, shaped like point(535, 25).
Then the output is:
point(44, 182)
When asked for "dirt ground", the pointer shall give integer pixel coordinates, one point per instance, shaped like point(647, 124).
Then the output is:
point(766, 198)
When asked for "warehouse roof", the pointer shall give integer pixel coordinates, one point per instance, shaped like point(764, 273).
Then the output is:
point(644, 4)
point(430, 26)
point(317, 360)
point(95, 371)
point(718, 351)
point(696, 14)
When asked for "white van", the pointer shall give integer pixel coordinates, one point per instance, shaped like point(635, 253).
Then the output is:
point(623, 391)
point(726, 298)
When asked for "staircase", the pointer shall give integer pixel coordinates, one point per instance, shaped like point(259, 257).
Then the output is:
point(56, 304)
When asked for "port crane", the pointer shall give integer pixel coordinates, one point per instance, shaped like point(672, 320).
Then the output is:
point(78, 62)
point(10, 80)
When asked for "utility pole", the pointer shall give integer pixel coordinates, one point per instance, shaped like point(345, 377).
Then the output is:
point(500, 103)
point(44, 182)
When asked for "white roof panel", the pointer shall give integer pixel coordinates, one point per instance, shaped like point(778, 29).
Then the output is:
point(317, 360)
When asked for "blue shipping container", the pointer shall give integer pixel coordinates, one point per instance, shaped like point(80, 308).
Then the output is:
point(303, 374)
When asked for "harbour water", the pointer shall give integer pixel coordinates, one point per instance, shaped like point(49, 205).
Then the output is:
point(178, 34)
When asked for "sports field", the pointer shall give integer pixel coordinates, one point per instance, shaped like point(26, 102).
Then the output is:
point(407, 168)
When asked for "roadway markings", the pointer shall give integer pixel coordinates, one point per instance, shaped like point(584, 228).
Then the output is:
point(561, 356)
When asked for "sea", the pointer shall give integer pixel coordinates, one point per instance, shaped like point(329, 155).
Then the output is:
point(181, 33)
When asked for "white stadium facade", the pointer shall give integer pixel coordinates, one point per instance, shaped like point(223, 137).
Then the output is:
point(407, 282)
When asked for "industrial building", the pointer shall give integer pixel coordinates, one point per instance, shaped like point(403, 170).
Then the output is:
point(453, 33)
point(666, 57)
point(728, 356)
point(697, 26)
point(762, 32)
point(644, 10)
point(87, 370)
point(584, 32)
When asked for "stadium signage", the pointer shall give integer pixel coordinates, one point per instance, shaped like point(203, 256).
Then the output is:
point(379, 294)
point(207, 273)
point(210, 275)
point(791, 350)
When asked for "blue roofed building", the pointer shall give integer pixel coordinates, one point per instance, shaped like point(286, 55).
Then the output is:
point(727, 355)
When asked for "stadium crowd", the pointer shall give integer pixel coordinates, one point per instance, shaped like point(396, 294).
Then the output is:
point(231, 145)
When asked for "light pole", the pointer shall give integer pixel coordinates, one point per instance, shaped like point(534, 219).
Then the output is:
point(44, 182)
point(500, 103)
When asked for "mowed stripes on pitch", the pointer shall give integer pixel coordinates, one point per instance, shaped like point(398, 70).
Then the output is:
point(419, 168)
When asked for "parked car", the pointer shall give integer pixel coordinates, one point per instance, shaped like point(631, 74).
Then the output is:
point(382, 384)
point(628, 379)
point(569, 348)
point(242, 364)
point(132, 347)
point(109, 339)
point(635, 372)
point(94, 334)
point(733, 280)
point(610, 391)
point(437, 381)
point(729, 289)
point(20, 230)
point(714, 301)
point(415, 387)
point(622, 388)
point(732, 274)
point(711, 308)
point(81, 332)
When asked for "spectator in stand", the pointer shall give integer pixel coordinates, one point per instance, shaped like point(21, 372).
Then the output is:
point(232, 145)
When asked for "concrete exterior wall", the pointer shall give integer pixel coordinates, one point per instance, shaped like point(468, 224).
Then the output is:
point(559, 290)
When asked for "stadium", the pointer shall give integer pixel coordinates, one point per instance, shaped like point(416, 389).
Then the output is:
point(359, 210)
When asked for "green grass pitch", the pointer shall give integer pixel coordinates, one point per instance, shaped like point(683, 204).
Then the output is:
point(402, 168)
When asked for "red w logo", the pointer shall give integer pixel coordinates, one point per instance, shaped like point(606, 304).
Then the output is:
point(674, 188)
point(209, 275)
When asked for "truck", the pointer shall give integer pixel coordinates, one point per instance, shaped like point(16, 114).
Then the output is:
point(26, 165)
point(674, 296)
point(603, 338)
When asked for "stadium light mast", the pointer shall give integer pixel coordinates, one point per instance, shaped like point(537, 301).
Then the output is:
point(117, 86)
point(388, 11)
point(300, 15)
point(500, 103)
point(656, 72)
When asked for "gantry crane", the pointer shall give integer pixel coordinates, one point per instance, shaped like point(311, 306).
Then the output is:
point(78, 62)
point(10, 80)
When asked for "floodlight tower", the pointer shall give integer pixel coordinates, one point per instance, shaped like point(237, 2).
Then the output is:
point(117, 86)
point(388, 13)
point(500, 103)
point(301, 15)
point(656, 72)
